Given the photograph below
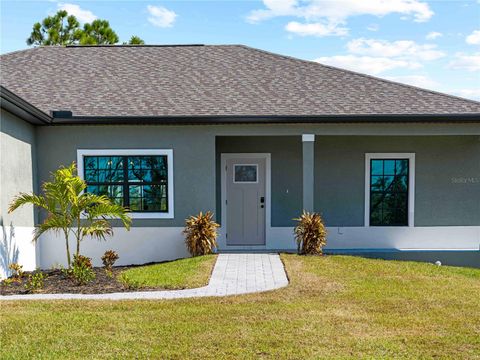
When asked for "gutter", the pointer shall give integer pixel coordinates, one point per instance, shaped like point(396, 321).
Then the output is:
point(65, 118)
point(18, 106)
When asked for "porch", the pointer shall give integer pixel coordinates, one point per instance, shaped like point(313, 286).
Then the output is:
point(330, 174)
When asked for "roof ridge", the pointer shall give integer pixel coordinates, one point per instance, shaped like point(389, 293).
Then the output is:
point(25, 50)
point(362, 74)
point(101, 45)
point(131, 45)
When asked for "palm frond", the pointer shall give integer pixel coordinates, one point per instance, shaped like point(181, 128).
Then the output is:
point(24, 199)
point(109, 210)
point(52, 223)
point(89, 199)
point(98, 229)
point(74, 184)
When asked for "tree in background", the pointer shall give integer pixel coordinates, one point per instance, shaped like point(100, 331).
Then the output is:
point(135, 40)
point(59, 29)
point(98, 32)
point(64, 29)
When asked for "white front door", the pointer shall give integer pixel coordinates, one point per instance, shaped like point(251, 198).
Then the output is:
point(245, 201)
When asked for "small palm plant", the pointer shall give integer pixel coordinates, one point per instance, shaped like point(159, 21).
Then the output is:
point(72, 211)
point(310, 234)
point(201, 234)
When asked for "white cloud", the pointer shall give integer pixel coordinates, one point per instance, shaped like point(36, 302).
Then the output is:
point(473, 38)
point(161, 16)
point(341, 9)
point(315, 29)
point(466, 62)
point(473, 94)
point(415, 80)
point(373, 27)
point(432, 35)
point(275, 8)
point(82, 15)
point(367, 64)
point(330, 14)
point(405, 49)
point(426, 83)
point(374, 57)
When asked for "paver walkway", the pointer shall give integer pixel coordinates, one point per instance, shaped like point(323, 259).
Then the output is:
point(233, 274)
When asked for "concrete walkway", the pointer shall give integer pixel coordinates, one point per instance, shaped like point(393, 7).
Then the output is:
point(233, 274)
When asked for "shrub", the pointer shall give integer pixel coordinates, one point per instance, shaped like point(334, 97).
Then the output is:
point(83, 261)
point(66, 272)
point(109, 259)
point(7, 282)
point(35, 281)
point(130, 283)
point(17, 271)
point(310, 234)
point(81, 270)
point(201, 234)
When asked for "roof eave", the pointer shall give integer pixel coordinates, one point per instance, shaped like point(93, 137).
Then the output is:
point(23, 109)
point(269, 119)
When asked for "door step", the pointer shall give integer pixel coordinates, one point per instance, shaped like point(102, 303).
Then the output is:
point(254, 251)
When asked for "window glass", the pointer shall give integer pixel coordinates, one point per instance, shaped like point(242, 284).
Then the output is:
point(137, 182)
point(245, 173)
point(377, 167)
point(389, 192)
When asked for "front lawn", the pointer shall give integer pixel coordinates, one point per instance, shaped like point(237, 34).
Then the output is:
point(334, 307)
point(179, 274)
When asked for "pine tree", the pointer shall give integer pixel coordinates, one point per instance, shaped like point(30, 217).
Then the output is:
point(59, 29)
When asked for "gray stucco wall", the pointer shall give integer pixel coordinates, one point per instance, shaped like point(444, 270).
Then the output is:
point(447, 168)
point(193, 158)
point(17, 167)
point(447, 177)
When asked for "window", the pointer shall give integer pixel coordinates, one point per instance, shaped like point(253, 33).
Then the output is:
point(245, 174)
point(139, 180)
point(389, 192)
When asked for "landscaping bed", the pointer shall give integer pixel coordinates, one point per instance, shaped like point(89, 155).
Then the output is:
point(178, 274)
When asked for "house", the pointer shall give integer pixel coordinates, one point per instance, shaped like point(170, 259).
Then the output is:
point(253, 136)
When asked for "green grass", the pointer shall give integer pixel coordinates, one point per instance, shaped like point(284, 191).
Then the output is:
point(335, 307)
point(179, 274)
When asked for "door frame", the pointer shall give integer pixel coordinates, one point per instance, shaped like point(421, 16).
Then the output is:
point(268, 192)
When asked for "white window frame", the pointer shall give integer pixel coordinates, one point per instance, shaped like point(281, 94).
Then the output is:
point(246, 182)
point(411, 184)
point(81, 153)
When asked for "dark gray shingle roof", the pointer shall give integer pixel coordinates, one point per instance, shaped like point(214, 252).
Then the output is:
point(205, 80)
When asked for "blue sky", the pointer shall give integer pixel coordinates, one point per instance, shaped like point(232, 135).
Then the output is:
point(431, 44)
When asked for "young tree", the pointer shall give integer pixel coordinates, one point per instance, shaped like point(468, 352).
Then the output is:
point(59, 29)
point(135, 40)
point(72, 212)
point(98, 32)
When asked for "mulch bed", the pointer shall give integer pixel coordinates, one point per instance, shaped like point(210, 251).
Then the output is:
point(56, 282)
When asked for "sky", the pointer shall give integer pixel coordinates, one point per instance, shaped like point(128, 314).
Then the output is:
point(430, 44)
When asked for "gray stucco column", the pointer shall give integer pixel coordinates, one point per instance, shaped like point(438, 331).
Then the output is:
point(308, 141)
